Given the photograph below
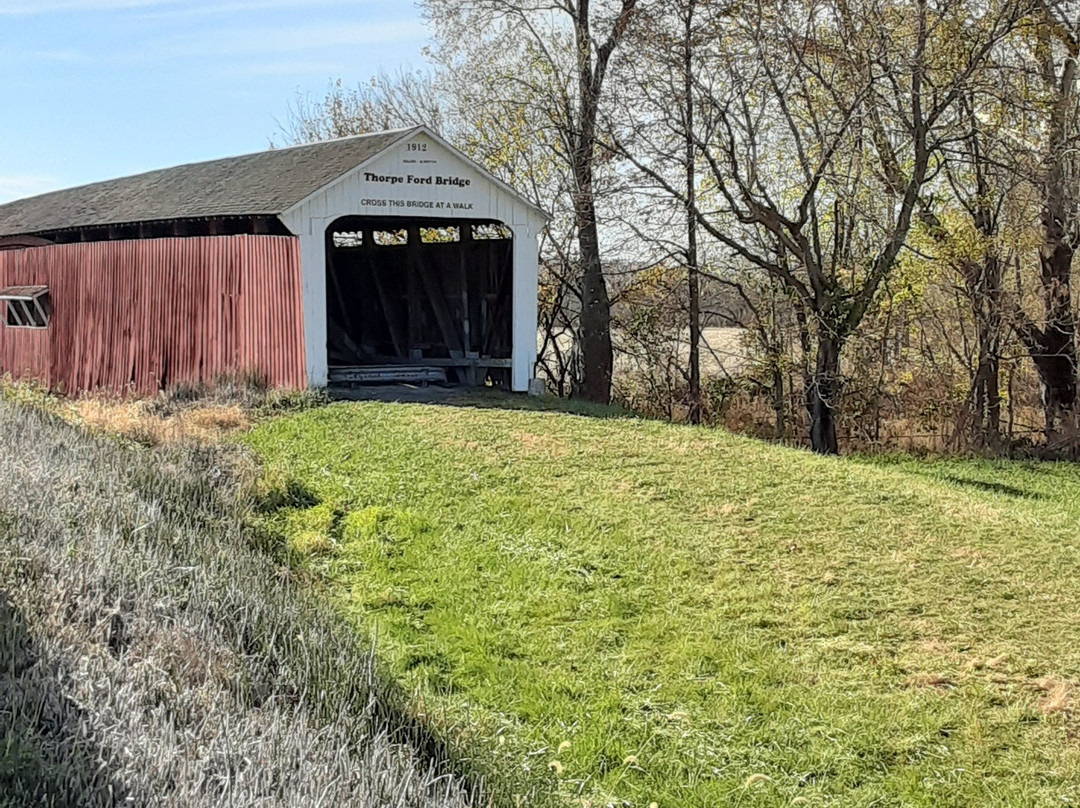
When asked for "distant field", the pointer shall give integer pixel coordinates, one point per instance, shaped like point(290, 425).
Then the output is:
point(633, 613)
point(722, 350)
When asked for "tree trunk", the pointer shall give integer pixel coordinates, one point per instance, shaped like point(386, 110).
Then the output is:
point(693, 279)
point(778, 400)
point(597, 359)
point(821, 394)
point(1053, 348)
point(694, 291)
point(1057, 381)
point(983, 282)
point(596, 352)
point(987, 403)
point(1055, 356)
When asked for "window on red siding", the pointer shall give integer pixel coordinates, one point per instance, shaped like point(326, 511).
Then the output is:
point(27, 306)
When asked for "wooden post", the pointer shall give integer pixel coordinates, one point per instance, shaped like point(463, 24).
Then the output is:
point(413, 288)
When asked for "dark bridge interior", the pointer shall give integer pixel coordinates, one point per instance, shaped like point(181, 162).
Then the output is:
point(415, 292)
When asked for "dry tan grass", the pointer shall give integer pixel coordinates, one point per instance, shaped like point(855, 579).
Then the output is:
point(924, 680)
point(201, 414)
point(974, 511)
point(136, 420)
point(934, 647)
point(541, 445)
point(1053, 696)
point(969, 554)
point(1057, 696)
point(467, 445)
point(714, 511)
point(982, 664)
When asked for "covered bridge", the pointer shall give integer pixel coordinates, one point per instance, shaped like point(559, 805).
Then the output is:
point(378, 257)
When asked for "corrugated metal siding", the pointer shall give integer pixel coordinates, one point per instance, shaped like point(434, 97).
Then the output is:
point(143, 316)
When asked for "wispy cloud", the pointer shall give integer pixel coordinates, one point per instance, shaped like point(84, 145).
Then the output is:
point(285, 67)
point(17, 186)
point(26, 7)
point(39, 57)
point(240, 44)
point(126, 85)
point(194, 10)
point(246, 41)
point(155, 9)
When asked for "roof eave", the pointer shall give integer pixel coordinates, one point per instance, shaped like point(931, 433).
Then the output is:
point(137, 223)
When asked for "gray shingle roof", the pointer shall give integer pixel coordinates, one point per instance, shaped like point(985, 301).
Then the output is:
point(265, 183)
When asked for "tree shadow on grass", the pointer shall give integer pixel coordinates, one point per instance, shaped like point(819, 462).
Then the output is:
point(991, 487)
point(1020, 480)
point(939, 475)
point(46, 758)
point(476, 398)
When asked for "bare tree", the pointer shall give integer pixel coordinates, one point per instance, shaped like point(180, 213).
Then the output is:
point(972, 239)
point(820, 127)
point(666, 44)
point(386, 101)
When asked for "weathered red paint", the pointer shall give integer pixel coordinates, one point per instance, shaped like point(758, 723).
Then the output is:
point(142, 316)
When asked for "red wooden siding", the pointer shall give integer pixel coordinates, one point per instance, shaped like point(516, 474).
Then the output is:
point(143, 316)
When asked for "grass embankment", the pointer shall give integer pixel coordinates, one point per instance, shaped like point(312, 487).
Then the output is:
point(643, 613)
point(150, 655)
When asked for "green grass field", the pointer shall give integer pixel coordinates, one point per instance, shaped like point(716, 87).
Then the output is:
point(632, 613)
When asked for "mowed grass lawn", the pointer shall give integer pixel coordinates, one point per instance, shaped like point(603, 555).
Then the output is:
point(629, 612)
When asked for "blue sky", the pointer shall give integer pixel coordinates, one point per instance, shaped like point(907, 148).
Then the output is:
point(93, 89)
